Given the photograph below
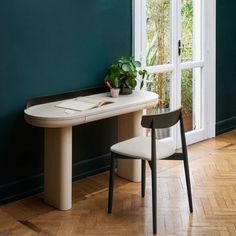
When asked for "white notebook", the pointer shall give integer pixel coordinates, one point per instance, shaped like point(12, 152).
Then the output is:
point(82, 103)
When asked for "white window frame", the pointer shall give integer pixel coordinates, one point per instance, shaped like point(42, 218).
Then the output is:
point(139, 43)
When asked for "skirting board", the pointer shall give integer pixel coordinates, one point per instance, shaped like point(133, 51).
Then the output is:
point(34, 184)
point(225, 125)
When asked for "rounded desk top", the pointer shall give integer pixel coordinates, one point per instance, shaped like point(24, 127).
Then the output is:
point(48, 115)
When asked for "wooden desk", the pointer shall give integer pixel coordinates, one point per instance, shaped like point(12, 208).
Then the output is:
point(58, 124)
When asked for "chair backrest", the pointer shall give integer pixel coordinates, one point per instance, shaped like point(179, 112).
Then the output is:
point(164, 120)
point(159, 121)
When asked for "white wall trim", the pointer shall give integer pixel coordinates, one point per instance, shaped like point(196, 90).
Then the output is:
point(136, 29)
point(211, 73)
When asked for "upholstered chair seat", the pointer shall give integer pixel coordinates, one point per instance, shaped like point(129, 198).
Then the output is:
point(140, 148)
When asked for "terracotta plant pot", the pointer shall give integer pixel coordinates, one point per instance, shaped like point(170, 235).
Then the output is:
point(188, 122)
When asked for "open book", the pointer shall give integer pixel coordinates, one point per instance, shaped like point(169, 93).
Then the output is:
point(83, 103)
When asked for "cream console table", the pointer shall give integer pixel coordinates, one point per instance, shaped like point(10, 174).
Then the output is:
point(58, 124)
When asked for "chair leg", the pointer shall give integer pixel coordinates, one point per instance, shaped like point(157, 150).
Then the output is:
point(154, 197)
point(186, 166)
point(143, 177)
point(188, 183)
point(111, 182)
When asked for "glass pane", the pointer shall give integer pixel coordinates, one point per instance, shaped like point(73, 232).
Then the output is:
point(191, 98)
point(160, 84)
point(191, 38)
point(158, 32)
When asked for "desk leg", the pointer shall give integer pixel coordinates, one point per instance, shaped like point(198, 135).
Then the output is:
point(58, 167)
point(129, 126)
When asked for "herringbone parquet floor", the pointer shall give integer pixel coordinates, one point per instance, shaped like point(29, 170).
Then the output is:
point(213, 176)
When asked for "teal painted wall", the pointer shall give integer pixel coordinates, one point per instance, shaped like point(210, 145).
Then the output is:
point(54, 46)
point(225, 66)
point(48, 47)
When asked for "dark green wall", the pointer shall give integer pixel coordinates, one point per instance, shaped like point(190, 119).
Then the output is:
point(54, 46)
point(48, 47)
point(225, 66)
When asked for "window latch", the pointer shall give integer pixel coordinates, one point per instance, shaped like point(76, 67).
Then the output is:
point(179, 47)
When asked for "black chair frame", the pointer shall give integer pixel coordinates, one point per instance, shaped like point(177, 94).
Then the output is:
point(154, 122)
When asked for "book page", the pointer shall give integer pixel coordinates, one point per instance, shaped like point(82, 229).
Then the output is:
point(77, 105)
point(97, 102)
point(82, 103)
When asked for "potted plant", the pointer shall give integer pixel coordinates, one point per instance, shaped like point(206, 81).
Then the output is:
point(124, 73)
point(114, 86)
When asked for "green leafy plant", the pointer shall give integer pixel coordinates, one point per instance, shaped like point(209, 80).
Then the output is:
point(124, 73)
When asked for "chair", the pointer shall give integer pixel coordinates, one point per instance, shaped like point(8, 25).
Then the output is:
point(149, 149)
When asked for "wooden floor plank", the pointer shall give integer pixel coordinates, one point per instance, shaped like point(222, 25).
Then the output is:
point(213, 177)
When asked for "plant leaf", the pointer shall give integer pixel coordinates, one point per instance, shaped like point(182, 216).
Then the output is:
point(126, 67)
point(116, 82)
point(131, 83)
point(137, 63)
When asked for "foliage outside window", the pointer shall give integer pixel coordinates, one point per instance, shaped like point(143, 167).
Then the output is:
point(159, 50)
